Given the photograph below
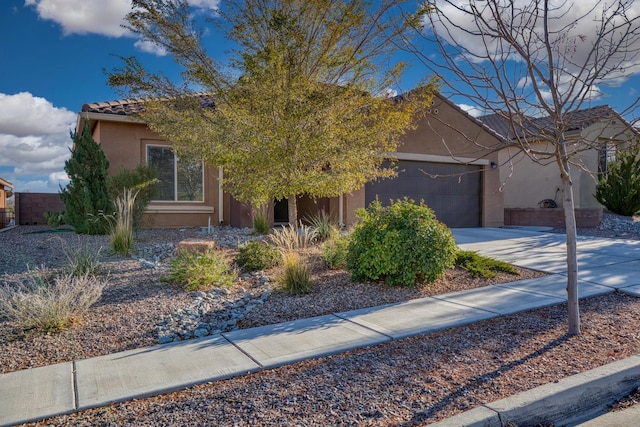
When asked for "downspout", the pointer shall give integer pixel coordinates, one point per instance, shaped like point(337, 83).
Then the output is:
point(220, 198)
point(341, 210)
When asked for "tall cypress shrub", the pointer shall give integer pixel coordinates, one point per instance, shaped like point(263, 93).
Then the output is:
point(619, 189)
point(85, 197)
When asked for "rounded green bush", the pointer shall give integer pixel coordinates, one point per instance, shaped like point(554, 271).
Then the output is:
point(402, 244)
point(257, 255)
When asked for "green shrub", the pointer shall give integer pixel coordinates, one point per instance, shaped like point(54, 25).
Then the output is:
point(334, 251)
point(256, 255)
point(201, 270)
point(54, 219)
point(323, 226)
point(85, 197)
point(49, 302)
point(480, 266)
point(402, 243)
point(295, 277)
point(290, 237)
point(619, 189)
point(142, 180)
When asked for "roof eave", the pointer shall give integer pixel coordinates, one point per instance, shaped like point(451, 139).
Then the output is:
point(106, 117)
point(5, 183)
point(475, 120)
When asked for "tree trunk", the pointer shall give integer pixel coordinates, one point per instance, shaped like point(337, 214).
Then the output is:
point(572, 252)
point(293, 210)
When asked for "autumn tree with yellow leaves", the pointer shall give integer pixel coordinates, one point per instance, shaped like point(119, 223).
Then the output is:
point(301, 107)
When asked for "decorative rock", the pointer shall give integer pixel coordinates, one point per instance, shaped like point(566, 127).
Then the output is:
point(195, 246)
point(215, 311)
point(148, 264)
point(165, 339)
point(201, 332)
point(619, 224)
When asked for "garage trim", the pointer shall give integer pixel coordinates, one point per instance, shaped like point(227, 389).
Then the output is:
point(437, 159)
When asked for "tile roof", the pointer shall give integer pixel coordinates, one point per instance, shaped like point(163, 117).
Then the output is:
point(128, 107)
point(578, 120)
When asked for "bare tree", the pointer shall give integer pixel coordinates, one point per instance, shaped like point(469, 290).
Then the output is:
point(532, 65)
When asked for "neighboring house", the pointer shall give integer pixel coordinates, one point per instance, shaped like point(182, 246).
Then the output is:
point(436, 163)
point(6, 191)
point(532, 188)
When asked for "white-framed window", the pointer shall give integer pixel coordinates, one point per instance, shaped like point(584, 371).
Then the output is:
point(181, 180)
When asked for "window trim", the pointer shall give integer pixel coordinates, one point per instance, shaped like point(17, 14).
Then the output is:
point(607, 154)
point(175, 176)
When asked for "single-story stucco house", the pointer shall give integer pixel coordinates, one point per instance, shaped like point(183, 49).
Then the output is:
point(436, 163)
point(533, 189)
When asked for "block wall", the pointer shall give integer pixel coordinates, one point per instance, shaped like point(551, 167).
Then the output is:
point(30, 207)
point(551, 217)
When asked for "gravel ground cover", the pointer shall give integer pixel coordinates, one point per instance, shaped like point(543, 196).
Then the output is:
point(414, 381)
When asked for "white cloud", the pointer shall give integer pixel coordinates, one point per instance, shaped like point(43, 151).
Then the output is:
point(23, 114)
point(34, 141)
point(84, 17)
point(471, 110)
point(104, 17)
point(591, 93)
point(45, 185)
point(572, 27)
point(205, 4)
point(57, 180)
point(150, 47)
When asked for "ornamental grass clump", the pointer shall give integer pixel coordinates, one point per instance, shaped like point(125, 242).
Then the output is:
point(290, 237)
point(402, 244)
point(323, 226)
point(255, 255)
point(81, 259)
point(121, 232)
point(295, 277)
point(201, 270)
point(143, 180)
point(49, 301)
point(261, 223)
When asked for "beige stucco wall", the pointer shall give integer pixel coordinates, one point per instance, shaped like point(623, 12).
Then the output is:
point(124, 144)
point(447, 135)
point(527, 182)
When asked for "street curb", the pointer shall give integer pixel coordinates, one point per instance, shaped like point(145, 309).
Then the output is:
point(570, 400)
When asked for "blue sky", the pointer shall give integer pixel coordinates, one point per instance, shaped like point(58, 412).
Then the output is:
point(52, 57)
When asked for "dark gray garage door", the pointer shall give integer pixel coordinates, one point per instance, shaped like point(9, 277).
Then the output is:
point(455, 195)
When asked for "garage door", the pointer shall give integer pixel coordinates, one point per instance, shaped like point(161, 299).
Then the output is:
point(455, 194)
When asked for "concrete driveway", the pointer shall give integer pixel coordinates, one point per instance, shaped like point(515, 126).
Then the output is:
point(614, 263)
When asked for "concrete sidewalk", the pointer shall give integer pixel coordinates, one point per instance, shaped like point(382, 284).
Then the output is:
point(38, 393)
